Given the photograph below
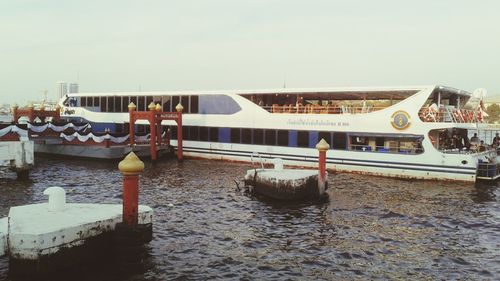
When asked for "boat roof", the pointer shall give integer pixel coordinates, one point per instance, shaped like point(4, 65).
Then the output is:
point(346, 92)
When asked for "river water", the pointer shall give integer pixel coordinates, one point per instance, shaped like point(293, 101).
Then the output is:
point(369, 228)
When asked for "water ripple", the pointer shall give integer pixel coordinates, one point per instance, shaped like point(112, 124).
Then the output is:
point(369, 228)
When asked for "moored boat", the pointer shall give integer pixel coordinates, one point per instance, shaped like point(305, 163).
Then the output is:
point(408, 132)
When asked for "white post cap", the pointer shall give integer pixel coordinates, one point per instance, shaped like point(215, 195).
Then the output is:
point(57, 198)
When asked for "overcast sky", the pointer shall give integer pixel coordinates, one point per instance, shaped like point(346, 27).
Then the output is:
point(253, 44)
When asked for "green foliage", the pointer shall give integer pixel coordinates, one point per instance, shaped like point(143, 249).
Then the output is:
point(493, 112)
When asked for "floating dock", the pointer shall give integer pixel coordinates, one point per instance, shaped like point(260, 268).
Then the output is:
point(290, 184)
point(286, 184)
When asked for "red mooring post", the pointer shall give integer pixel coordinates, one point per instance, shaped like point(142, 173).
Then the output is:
point(14, 112)
point(131, 112)
point(322, 147)
point(31, 112)
point(179, 109)
point(158, 124)
point(152, 131)
point(131, 167)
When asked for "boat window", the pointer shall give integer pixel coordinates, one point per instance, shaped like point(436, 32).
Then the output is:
point(455, 140)
point(313, 139)
point(185, 133)
point(175, 102)
point(167, 105)
point(258, 136)
point(246, 136)
point(173, 132)
point(214, 134)
point(292, 138)
point(125, 103)
point(282, 138)
point(134, 100)
point(303, 139)
point(117, 103)
point(339, 141)
point(270, 137)
point(235, 135)
point(142, 128)
point(141, 104)
point(96, 101)
point(90, 101)
point(217, 104)
point(400, 144)
point(203, 133)
point(193, 133)
point(225, 135)
point(327, 136)
point(103, 104)
point(193, 108)
point(83, 101)
point(110, 104)
point(149, 100)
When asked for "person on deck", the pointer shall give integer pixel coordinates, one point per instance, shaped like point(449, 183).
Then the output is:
point(474, 139)
point(496, 141)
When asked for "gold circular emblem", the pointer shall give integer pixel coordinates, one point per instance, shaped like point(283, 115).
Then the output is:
point(400, 120)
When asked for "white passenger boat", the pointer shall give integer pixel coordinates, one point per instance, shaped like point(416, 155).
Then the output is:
point(413, 132)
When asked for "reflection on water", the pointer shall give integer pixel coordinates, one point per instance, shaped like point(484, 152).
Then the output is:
point(369, 228)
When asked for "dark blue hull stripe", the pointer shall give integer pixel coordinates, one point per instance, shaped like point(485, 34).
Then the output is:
point(338, 161)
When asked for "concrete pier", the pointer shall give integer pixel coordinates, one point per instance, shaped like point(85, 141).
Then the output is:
point(42, 239)
point(3, 236)
point(89, 151)
point(287, 184)
point(18, 156)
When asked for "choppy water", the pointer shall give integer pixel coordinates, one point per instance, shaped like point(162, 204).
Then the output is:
point(370, 228)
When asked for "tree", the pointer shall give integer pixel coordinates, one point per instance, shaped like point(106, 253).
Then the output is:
point(493, 112)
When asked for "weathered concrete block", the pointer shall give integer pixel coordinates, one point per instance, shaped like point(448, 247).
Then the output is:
point(17, 155)
point(286, 184)
point(41, 241)
point(3, 235)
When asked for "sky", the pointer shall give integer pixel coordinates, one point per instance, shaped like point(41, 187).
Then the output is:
point(109, 46)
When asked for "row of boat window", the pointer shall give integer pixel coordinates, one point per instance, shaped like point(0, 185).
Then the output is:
point(120, 103)
point(306, 139)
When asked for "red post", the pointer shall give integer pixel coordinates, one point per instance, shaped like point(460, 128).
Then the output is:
point(152, 130)
point(179, 109)
point(158, 124)
point(131, 113)
point(131, 167)
point(158, 132)
point(14, 112)
point(57, 115)
point(152, 140)
point(31, 113)
point(322, 147)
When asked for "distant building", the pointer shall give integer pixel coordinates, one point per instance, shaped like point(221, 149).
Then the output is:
point(73, 87)
point(61, 89)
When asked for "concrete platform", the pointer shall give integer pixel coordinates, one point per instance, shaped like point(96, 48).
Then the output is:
point(3, 236)
point(34, 231)
point(42, 242)
point(17, 155)
point(285, 184)
point(93, 151)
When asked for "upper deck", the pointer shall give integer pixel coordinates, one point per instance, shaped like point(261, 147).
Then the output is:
point(436, 103)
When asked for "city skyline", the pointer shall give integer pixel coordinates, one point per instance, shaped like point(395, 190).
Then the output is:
point(222, 44)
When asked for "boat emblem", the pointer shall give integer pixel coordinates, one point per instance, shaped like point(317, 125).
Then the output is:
point(400, 120)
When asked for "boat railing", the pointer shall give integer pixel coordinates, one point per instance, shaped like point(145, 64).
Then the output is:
point(321, 109)
point(447, 114)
